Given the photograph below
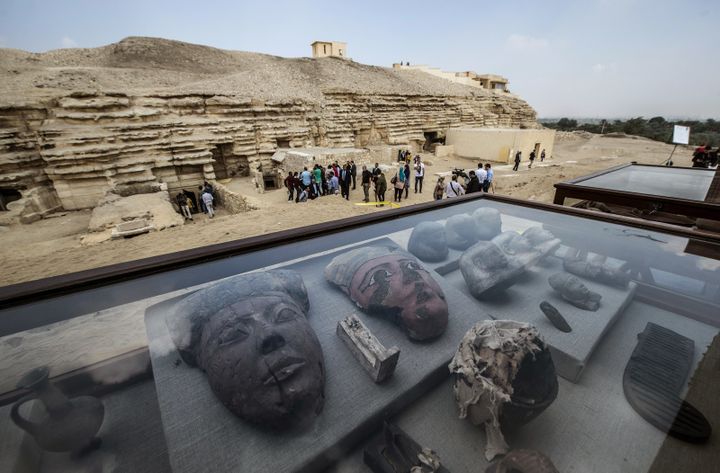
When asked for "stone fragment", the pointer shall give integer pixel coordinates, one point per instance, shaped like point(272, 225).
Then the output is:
point(378, 361)
point(132, 228)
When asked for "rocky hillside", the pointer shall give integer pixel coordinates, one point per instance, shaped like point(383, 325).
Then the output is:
point(75, 123)
point(145, 65)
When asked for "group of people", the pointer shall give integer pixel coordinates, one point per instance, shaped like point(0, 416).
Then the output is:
point(205, 202)
point(518, 158)
point(479, 180)
point(402, 178)
point(704, 156)
point(318, 181)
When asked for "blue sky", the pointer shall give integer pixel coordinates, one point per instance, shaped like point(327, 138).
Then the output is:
point(593, 58)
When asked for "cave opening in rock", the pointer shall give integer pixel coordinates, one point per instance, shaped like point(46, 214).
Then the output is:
point(7, 196)
point(220, 162)
point(269, 182)
point(227, 164)
point(194, 207)
point(432, 139)
point(283, 142)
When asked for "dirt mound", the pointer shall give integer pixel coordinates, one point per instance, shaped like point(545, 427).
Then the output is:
point(141, 65)
point(157, 53)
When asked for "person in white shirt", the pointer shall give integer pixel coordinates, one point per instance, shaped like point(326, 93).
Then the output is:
point(208, 201)
point(453, 189)
point(419, 174)
point(481, 174)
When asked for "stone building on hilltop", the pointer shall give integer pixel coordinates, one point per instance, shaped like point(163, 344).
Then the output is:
point(329, 49)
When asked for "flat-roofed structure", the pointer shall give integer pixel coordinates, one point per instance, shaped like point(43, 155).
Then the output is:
point(486, 81)
point(329, 49)
point(500, 144)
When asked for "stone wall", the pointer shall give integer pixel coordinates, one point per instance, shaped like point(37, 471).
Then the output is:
point(500, 144)
point(231, 201)
point(81, 145)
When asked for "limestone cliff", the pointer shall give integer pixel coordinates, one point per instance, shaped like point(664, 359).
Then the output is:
point(77, 123)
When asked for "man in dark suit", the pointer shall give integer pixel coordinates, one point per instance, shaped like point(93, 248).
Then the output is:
point(353, 172)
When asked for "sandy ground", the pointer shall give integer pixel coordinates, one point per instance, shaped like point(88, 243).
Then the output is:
point(52, 246)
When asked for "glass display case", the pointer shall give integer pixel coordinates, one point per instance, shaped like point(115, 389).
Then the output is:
point(670, 194)
point(469, 332)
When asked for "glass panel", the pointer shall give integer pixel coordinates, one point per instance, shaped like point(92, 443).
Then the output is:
point(229, 356)
point(681, 183)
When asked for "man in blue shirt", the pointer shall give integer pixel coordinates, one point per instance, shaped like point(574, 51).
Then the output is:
point(306, 178)
point(333, 184)
point(488, 178)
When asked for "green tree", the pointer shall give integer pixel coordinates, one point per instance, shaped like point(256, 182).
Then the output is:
point(566, 124)
point(635, 126)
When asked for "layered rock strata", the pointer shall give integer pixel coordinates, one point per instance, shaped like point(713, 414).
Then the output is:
point(77, 145)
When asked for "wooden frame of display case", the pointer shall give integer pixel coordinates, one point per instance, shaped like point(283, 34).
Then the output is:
point(708, 209)
point(137, 361)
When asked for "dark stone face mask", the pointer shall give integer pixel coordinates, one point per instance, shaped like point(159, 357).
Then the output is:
point(251, 336)
point(393, 285)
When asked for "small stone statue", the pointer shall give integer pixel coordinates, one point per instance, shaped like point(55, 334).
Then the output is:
point(574, 291)
point(250, 334)
point(428, 242)
point(391, 283)
point(461, 231)
point(596, 271)
point(504, 377)
point(488, 221)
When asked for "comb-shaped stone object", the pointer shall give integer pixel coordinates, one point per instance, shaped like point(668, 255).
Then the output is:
point(654, 378)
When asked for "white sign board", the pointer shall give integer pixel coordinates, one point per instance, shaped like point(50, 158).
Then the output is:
point(681, 135)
